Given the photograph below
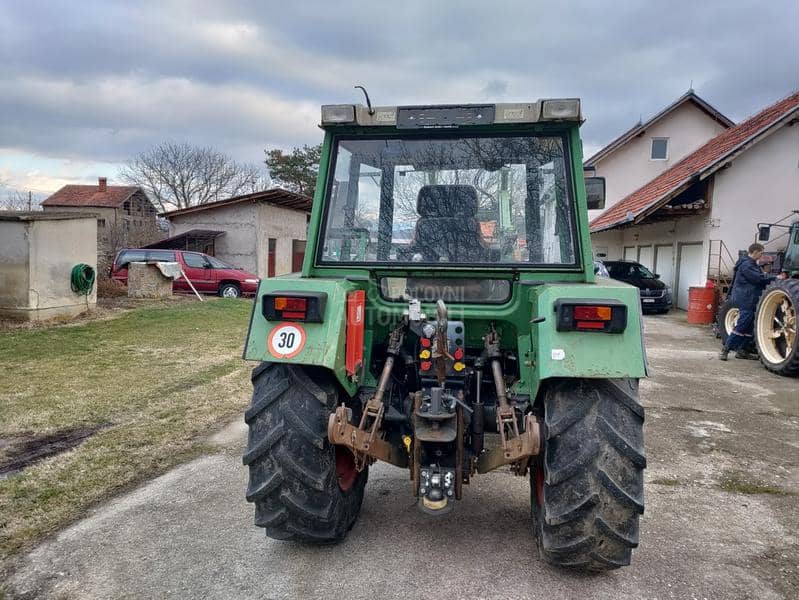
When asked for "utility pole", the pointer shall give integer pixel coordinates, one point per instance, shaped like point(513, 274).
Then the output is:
point(29, 200)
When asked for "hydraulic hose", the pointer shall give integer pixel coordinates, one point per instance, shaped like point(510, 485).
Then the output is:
point(82, 279)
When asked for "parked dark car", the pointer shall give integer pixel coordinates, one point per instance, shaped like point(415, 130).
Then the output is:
point(655, 295)
point(208, 274)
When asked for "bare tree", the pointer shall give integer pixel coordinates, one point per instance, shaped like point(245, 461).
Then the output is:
point(16, 200)
point(179, 175)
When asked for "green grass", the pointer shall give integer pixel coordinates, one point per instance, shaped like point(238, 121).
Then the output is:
point(160, 378)
point(736, 482)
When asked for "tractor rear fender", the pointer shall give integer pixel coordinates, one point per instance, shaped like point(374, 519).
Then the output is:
point(319, 344)
point(594, 354)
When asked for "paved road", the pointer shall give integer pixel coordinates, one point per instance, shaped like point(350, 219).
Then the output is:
point(189, 534)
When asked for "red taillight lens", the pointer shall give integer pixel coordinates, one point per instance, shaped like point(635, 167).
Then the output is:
point(580, 315)
point(299, 306)
point(592, 313)
point(293, 304)
point(590, 325)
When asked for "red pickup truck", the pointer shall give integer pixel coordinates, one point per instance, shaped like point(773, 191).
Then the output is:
point(208, 274)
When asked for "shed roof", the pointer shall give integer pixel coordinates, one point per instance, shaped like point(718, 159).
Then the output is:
point(638, 128)
point(698, 165)
point(182, 240)
point(275, 196)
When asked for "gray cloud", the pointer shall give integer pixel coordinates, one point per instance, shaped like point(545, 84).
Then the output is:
point(100, 80)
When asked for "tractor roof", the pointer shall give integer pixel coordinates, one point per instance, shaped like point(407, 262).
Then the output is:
point(451, 115)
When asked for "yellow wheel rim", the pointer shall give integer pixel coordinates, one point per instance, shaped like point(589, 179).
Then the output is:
point(776, 327)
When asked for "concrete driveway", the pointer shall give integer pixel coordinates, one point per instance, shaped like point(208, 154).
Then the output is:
point(721, 519)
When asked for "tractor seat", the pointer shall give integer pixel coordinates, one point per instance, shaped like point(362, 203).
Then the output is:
point(447, 230)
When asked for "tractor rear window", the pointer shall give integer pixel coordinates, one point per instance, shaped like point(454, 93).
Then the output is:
point(459, 201)
point(430, 289)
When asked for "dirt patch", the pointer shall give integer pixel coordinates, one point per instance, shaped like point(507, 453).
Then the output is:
point(20, 450)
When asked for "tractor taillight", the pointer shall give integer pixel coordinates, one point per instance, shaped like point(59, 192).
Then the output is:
point(606, 316)
point(308, 307)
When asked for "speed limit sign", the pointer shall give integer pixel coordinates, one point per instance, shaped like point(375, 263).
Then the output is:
point(286, 340)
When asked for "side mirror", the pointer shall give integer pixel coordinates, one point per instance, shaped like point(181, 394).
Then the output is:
point(595, 192)
point(657, 275)
point(763, 233)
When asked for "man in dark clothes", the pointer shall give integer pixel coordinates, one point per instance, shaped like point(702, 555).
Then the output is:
point(748, 282)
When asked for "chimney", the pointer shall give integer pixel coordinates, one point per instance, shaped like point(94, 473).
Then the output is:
point(103, 181)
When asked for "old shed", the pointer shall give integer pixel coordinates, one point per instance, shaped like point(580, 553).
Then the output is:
point(38, 251)
point(264, 232)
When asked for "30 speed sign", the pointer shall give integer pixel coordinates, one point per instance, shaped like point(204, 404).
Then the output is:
point(286, 340)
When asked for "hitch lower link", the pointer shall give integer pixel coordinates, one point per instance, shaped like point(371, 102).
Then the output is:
point(516, 448)
point(364, 441)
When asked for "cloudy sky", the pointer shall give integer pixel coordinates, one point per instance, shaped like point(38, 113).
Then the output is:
point(84, 85)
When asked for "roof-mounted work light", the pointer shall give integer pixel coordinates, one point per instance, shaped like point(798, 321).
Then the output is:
point(338, 114)
point(567, 109)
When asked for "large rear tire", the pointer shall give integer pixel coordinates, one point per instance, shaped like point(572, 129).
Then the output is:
point(776, 327)
point(303, 487)
point(588, 486)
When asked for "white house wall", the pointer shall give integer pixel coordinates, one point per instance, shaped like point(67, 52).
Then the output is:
point(629, 167)
point(283, 225)
point(238, 221)
point(762, 185)
point(673, 234)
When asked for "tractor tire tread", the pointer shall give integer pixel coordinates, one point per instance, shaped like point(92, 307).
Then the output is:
point(292, 476)
point(592, 474)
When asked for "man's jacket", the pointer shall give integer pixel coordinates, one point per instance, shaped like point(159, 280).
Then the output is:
point(748, 282)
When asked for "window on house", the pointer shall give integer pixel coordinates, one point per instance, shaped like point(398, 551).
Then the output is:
point(101, 223)
point(660, 149)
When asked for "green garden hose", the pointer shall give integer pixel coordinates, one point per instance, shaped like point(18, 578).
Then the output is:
point(82, 279)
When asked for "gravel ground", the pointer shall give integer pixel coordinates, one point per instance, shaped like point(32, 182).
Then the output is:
point(721, 518)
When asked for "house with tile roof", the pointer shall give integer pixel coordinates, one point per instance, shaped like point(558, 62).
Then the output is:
point(652, 146)
point(689, 222)
point(125, 215)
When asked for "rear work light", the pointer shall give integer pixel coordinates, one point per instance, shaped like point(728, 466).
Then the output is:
point(308, 307)
point(605, 316)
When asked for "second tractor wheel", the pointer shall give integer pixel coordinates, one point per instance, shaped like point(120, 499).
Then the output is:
point(776, 325)
point(588, 486)
point(726, 318)
point(303, 488)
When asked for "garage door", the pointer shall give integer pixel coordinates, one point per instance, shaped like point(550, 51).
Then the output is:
point(690, 271)
point(629, 253)
point(646, 256)
point(664, 264)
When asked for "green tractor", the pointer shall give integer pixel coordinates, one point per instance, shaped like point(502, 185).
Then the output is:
point(775, 335)
point(447, 320)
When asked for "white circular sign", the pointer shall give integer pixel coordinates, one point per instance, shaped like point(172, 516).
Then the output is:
point(286, 340)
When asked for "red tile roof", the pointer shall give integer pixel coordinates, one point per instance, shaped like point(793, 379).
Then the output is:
point(275, 196)
point(703, 161)
point(90, 195)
